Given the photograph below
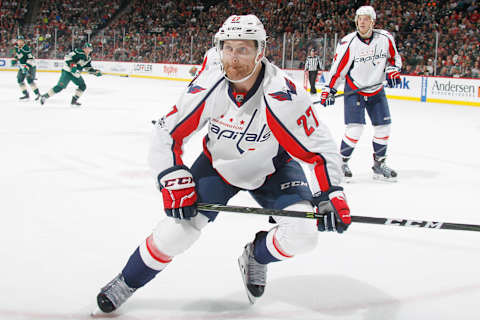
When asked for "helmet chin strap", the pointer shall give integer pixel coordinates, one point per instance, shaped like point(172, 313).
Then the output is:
point(366, 34)
point(246, 77)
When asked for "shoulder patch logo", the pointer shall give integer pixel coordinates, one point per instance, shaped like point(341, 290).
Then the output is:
point(195, 89)
point(282, 95)
point(291, 86)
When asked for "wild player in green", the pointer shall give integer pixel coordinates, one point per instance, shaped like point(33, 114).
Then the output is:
point(26, 68)
point(75, 62)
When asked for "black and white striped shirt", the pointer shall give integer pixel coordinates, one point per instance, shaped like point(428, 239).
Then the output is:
point(313, 63)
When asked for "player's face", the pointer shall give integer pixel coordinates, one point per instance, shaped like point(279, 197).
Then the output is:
point(87, 50)
point(20, 42)
point(364, 23)
point(238, 58)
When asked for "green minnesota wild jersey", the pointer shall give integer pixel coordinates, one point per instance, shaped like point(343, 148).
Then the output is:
point(77, 59)
point(24, 55)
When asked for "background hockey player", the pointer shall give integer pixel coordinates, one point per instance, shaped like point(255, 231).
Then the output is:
point(211, 59)
point(74, 63)
point(364, 58)
point(252, 144)
point(27, 68)
point(312, 66)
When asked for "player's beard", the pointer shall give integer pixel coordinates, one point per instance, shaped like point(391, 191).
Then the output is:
point(237, 71)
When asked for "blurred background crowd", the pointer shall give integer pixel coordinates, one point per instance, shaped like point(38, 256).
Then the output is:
point(437, 37)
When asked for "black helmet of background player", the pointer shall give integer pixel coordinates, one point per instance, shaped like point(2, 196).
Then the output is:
point(20, 41)
point(367, 30)
point(87, 47)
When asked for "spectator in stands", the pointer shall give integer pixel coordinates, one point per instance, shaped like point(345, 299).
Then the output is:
point(475, 73)
point(429, 69)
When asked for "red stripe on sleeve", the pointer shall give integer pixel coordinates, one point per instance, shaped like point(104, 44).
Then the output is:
point(340, 67)
point(184, 129)
point(289, 143)
point(203, 64)
point(391, 51)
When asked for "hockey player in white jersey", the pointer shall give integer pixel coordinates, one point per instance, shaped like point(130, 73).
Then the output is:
point(260, 124)
point(211, 59)
point(365, 58)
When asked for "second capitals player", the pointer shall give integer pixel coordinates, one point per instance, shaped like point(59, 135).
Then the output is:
point(365, 58)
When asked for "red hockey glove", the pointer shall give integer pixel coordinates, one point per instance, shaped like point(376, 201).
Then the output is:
point(393, 77)
point(327, 97)
point(336, 213)
point(178, 191)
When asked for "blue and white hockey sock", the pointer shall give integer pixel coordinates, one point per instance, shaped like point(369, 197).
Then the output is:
point(144, 264)
point(266, 248)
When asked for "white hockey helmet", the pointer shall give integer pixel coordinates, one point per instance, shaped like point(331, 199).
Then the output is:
point(365, 11)
point(247, 27)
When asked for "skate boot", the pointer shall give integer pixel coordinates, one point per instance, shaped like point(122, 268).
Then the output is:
point(75, 103)
point(25, 97)
point(254, 274)
point(42, 99)
point(347, 173)
point(38, 97)
point(114, 294)
point(381, 171)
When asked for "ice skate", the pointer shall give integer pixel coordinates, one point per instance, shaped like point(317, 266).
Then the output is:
point(347, 173)
point(381, 171)
point(114, 294)
point(75, 103)
point(25, 97)
point(38, 97)
point(42, 99)
point(254, 274)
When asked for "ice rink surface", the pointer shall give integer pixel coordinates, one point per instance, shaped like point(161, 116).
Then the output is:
point(77, 198)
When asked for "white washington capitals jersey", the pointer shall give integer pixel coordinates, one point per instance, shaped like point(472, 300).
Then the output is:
point(243, 141)
point(362, 62)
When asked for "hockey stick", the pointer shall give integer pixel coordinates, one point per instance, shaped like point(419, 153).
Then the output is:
point(124, 75)
point(359, 219)
point(355, 91)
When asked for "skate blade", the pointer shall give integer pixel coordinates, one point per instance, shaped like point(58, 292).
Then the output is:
point(251, 298)
point(99, 314)
point(380, 177)
point(347, 179)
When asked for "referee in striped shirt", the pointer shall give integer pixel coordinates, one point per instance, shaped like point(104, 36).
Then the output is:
point(312, 65)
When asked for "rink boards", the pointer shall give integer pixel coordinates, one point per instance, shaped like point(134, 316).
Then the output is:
point(460, 91)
